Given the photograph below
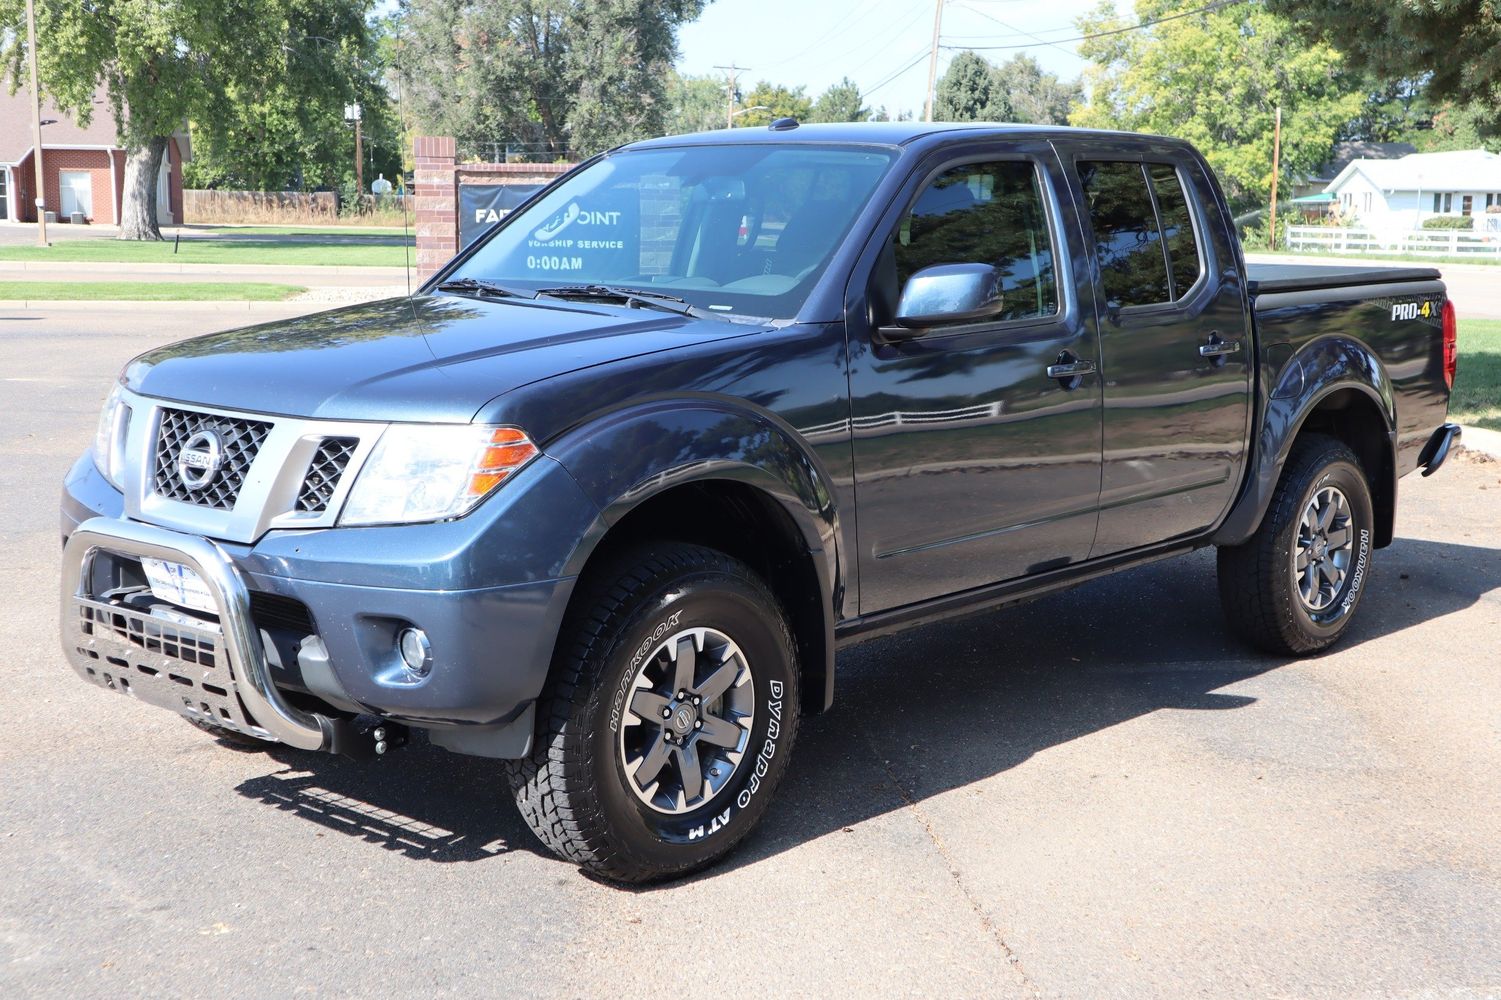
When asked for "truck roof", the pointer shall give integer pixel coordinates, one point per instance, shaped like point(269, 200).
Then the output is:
point(880, 133)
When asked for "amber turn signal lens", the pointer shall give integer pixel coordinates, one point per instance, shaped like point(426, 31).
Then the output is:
point(507, 450)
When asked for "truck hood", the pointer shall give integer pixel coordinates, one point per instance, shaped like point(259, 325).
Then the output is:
point(429, 358)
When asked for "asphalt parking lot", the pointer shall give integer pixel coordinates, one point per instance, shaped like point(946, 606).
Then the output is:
point(1096, 794)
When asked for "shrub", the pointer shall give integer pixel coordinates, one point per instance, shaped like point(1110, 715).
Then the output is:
point(1449, 222)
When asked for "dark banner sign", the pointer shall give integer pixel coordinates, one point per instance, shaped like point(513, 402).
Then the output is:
point(483, 205)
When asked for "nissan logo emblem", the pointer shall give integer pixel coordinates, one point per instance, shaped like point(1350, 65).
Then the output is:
point(199, 459)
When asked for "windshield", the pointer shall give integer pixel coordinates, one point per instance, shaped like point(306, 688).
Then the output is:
point(734, 229)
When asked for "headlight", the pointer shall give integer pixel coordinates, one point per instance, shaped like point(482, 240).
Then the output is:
point(109, 438)
point(429, 472)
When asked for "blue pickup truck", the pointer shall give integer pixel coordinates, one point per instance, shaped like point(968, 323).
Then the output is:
point(604, 498)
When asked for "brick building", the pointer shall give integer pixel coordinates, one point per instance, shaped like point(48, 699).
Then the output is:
point(84, 167)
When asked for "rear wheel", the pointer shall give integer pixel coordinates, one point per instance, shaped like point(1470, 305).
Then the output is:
point(1294, 586)
point(668, 718)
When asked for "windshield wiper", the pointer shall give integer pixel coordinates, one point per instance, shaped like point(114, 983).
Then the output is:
point(479, 286)
point(639, 298)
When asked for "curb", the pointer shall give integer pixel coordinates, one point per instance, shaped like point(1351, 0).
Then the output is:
point(1484, 441)
point(146, 305)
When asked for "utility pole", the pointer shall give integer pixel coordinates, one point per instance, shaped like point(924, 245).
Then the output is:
point(352, 114)
point(1276, 165)
point(36, 129)
point(734, 88)
point(927, 115)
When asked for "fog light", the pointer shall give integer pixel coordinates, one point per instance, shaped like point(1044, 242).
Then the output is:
point(416, 651)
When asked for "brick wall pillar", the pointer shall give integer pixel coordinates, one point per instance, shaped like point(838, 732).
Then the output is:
point(436, 197)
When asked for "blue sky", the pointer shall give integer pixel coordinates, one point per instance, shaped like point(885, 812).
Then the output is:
point(815, 42)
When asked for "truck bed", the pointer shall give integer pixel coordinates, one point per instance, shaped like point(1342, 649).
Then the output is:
point(1269, 278)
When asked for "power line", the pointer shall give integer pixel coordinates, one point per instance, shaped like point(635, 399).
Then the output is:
point(1027, 34)
point(841, 21)
point(874, 49)
point(921, 55)
point(1217, 5)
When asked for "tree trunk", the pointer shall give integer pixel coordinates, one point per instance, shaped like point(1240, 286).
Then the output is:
point(143, 164)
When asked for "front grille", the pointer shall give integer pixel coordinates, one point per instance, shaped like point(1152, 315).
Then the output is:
point(239, 441)
point(324, 473)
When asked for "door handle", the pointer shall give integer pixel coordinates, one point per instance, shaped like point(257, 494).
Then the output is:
point(1218, 349)
point(1069, 370)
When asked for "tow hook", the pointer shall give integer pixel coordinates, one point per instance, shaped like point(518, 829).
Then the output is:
point(373, 738)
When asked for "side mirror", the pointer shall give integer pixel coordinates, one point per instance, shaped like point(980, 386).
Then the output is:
point(947, 293)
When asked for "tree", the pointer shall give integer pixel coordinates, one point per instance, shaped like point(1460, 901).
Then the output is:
point(1454, 44)
point(1036, 96)
point(157, 63)
point(694, 104)
point(778, 102)
point(967, 92)
point(1216, 79)
point(284, 127)
point(557, 77)
point(1458, 126)
point(975, 90)
point(840, 103)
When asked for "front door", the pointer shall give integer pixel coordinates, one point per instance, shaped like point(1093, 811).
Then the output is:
point(971, 465)
point(4, 193)
point(1175, 347)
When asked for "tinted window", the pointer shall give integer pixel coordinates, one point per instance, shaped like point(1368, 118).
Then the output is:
point(1127, 240)
point(1177, 227)
point(985, 213)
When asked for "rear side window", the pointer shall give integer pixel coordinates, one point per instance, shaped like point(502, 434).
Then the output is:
point(984, 213)
point(1177, 227)
point(1143, 231)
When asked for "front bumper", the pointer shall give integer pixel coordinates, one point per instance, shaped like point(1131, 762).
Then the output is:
point(486, 588)
point(214, 672)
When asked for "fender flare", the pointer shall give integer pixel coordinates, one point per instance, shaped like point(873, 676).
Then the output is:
point(623, 458)
point(1310, 376)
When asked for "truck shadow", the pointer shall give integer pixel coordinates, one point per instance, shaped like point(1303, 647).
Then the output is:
point(917, 714)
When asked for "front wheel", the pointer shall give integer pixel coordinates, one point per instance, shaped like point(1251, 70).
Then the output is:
point(1294, 586)
point(668, 718)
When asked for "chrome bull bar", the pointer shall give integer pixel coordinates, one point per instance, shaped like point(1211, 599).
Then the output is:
point(175, 665)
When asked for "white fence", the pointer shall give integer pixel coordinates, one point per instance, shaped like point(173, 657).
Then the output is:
point(1482, 245)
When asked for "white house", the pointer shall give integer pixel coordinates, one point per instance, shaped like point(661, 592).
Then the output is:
point(1397, 195)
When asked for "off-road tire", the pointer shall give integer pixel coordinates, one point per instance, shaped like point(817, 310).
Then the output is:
point(1258, 583)
point(573, 789)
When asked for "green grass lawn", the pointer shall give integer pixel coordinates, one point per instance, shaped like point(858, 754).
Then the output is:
point(198, 250)
point(145, 291)
point(1477, 388)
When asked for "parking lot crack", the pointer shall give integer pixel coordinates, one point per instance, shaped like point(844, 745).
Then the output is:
point(987, 923)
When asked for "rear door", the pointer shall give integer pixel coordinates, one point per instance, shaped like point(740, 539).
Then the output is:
point(971, 464)
point(1175, 345)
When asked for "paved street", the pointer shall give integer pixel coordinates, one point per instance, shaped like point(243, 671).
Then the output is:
point(1096, 794)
